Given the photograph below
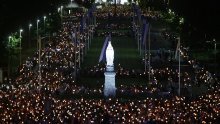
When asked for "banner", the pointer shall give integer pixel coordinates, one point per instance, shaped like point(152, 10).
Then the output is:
point(103, 52)
point(145, 32)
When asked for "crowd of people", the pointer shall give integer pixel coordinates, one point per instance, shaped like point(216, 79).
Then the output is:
point(31, 98)
point(32, 106)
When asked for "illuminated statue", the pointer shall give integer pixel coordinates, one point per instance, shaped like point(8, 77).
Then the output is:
point(110, 54)
point(109, 86)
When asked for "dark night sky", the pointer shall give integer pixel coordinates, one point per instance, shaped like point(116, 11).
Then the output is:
point(204, 15)
point(16, 13)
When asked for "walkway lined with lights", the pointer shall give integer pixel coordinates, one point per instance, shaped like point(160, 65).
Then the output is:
point(58, 99)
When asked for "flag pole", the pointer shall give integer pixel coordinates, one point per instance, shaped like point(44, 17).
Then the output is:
point(145, 61)
point(88, 39)
point(90, 35)
point(79, 52)
point(75, 50)
point(82, 49)
point(39, 59)
point(138, 38)
point(179, 64)
point(144, 41)
point(149, 54)
point(177, 48)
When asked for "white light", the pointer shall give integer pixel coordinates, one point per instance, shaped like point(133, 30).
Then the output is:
point(124, 1)
point(110, 54)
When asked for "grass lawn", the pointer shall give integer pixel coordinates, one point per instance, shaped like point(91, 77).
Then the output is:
point(92, 57)
point(126, 53)
point(203, 55)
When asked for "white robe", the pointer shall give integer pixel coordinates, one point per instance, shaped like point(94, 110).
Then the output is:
point(109, 54)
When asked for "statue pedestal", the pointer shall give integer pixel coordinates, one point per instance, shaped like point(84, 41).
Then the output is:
point(109, 68)
point(109, 86)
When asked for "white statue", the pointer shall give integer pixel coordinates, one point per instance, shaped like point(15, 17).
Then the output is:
point(109, 54)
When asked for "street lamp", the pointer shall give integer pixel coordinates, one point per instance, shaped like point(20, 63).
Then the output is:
point(71, 1)
point(179, 75)
point(61, 14)
point(29, 34)
point(181, 20)
point(9, 41)
point(9, 57)
point(21, 30)
point(44, 24)
point(58, 9)
point(213, 41)
point(37, 31)
point(215, 51)
point(215, 44)
point(37, 28)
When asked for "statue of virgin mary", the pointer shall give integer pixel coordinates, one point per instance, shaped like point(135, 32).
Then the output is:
point(109, 54)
